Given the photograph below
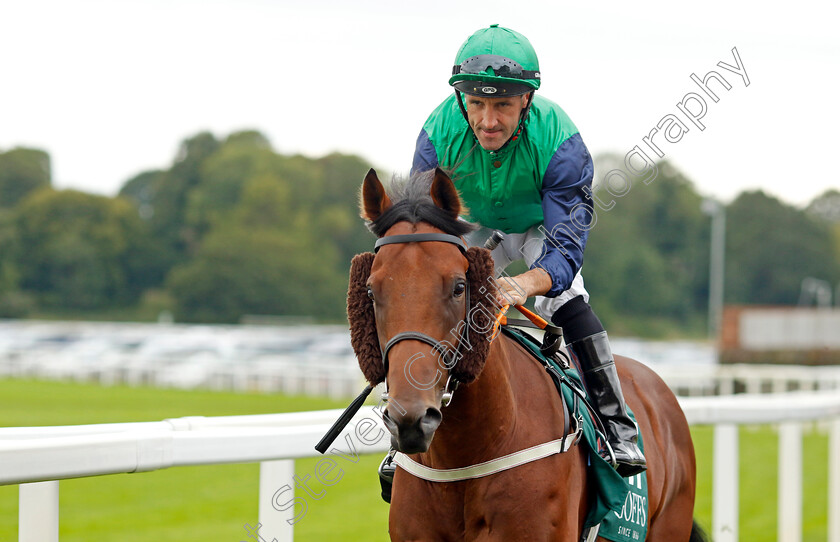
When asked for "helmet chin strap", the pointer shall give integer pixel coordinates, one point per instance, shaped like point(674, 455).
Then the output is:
point(527, 108)
point(461, 105)
point(522, 115)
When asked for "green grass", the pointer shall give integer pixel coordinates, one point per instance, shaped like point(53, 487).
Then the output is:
point(186, 503)
point(215, 502)
point(758, 497)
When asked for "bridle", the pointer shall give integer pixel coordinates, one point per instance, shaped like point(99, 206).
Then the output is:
point(487, 468)
point(509, 461)
point(451, 382)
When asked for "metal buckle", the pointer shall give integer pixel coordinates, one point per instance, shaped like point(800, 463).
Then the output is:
point(446, 398)
point(578, 432)
point(578, 429)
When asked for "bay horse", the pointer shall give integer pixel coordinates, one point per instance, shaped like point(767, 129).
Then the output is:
point(421, 312)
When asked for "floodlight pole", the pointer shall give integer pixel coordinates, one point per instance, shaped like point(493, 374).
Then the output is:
point(716, 210)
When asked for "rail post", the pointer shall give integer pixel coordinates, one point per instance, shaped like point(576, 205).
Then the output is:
point(790, 482)
point(276, 477)
point(725, 483)
point(834, 481)
point(38, 512)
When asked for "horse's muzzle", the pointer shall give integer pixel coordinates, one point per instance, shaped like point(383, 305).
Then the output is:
point(412, 434)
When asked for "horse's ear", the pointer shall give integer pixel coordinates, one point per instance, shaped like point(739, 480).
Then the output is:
point(444, 194)
point(362, 320)
point(481, 317)
point(374, 199)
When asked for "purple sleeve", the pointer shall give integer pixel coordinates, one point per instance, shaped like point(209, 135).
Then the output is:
point(567, 215)
point(425, 155)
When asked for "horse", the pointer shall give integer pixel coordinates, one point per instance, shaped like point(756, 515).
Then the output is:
point(421, 319)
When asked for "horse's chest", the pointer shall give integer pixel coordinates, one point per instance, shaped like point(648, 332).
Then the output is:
point(501, 508)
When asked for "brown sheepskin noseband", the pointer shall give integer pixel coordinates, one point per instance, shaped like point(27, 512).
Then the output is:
point(473, 352)
point(481, 316)
point(363, 320)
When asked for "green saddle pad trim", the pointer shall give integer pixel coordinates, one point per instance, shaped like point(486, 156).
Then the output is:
point(615, 503)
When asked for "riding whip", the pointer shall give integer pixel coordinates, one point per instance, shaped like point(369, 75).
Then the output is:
point(343, 420)
point(493, 241)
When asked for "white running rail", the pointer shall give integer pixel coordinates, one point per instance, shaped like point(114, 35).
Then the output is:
point(36, 457)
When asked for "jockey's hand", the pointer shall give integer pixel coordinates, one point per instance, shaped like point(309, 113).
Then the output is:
point(509, 292)
point(516, 290)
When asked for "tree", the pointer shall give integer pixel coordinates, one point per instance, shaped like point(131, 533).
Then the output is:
point(141, 190)
point(14, 303)
point(241, 158)
point(244, 271)
point(165, 194)
point(78, 250)
point(771, 247)
point(339, 213)
point(826, 208)
point(647, 256)
point(9, 253)
point(265, 256)
point(22, 171)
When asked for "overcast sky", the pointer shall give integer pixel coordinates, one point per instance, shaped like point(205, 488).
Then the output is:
point(110, 88)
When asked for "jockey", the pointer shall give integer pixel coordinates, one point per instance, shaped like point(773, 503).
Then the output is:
point(522, 167)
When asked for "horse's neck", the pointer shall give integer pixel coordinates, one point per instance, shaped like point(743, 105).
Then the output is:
point(481, 419)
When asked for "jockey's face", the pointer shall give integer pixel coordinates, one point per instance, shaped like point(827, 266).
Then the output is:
point(493, 120)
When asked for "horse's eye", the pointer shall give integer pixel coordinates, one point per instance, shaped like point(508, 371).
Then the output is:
point(370, 292)
point(459, 289)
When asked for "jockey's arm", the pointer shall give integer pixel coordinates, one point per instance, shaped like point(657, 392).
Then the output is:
point(567, 215)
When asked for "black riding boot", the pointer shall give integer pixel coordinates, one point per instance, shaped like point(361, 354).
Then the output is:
point(601, 378)
point(586, 337)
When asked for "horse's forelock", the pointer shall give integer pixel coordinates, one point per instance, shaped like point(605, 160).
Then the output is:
point(414, 188)
point(412, 202)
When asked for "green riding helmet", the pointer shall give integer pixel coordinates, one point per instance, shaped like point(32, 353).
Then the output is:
point(496, 62)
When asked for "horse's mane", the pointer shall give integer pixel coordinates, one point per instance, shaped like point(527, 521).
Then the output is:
point(412, 202)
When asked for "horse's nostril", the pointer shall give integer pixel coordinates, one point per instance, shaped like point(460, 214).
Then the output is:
point(431, 420)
